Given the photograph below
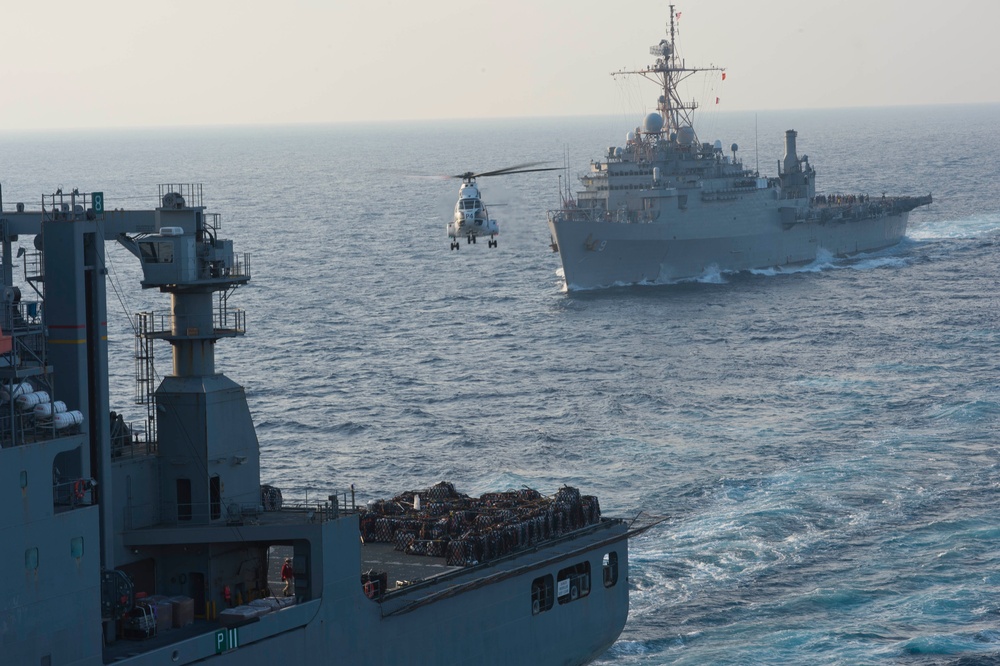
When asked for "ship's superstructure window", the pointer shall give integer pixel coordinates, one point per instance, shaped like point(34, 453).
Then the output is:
point(541, 595)
point(183, 499)
point(610, 569)
point(573, 583)
point(157, 252)
point(76, 547)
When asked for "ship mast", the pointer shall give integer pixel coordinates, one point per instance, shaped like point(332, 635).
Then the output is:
point(667, 72)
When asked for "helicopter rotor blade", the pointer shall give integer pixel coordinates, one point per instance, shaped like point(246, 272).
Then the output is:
point(517, 168)
point(505, 173)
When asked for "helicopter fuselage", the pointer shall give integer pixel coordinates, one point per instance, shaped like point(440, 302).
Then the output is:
point(471, 218)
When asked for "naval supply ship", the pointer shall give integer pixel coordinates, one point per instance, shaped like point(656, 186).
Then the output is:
point(666, 206)
point(157, 543)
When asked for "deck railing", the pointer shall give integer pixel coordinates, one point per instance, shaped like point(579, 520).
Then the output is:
point(198, 514)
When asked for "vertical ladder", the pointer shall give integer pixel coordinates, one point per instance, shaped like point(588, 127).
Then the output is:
point(145, 371)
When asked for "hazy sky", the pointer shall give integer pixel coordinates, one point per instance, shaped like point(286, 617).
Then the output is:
point(122, 63)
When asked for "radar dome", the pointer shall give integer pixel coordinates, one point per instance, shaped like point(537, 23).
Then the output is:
point(718, 146)
point(630, 137)
point(734, 148)
point(685, 135)
point(653, 123)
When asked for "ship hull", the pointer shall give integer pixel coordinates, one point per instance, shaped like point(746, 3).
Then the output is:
point(468, 621)
point(140, 551)
point(600, 254)
point(481, 615)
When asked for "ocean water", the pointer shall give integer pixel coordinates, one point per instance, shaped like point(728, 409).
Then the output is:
point(822, 440)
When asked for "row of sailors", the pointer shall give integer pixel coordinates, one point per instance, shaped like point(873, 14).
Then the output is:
point(840, 199)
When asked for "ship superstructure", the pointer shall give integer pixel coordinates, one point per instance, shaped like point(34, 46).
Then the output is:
point(667, 206)
point(159, 545)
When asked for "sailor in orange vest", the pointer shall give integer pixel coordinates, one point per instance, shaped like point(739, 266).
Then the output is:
point(287, 575)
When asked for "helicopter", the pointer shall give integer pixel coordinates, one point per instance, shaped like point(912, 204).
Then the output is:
point(471, 218)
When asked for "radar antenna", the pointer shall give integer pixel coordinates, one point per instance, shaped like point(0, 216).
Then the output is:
point(667, 72)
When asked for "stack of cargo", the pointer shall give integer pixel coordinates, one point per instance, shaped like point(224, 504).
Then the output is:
point(440, 522)
point(183, 608)
point(270, 498)
point(232, 617)
point(163, 611)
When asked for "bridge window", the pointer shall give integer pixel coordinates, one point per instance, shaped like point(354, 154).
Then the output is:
point(573, 583)
point(541, 595)
point(157, 252)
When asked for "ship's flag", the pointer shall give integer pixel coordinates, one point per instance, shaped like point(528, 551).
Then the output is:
point(716, 100)
point(723, 76)
point(678, 16)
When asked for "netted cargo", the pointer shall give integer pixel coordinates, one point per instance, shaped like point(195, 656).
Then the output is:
point(440, 522)
point(459, 554)
point(591, 509)
point(568, 494)
point(442, 492)
point(402, 539)
point(270, 498)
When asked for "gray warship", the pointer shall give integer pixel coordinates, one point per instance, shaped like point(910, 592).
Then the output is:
point(667, 207)
point(159, 544)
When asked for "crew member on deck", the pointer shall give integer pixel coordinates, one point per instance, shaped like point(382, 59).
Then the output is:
point(287, 575)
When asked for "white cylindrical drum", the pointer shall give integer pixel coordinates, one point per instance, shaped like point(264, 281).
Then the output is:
point(47, 409)
point(19, 389)
point(67, 419)
point(29, 400)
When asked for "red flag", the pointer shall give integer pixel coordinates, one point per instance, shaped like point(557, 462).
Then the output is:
point(678, 16)
point(723, 76)
point(716, 100)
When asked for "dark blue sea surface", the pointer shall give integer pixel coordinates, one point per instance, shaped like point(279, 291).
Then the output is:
point(823, 440)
